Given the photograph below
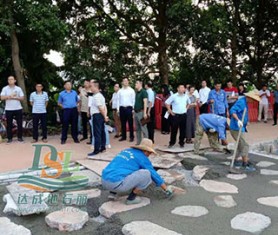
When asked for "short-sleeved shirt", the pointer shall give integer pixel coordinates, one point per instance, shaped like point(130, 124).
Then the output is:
point(39, 102)
point(84, 101)
point(68, 99)
point(139, 99)
point(15, 91)
point(220, 104)
point(151, 96)
point(231, 92)
point(276, 96)
point(179, 103)
point(264, 99)
point(95, 102)
point(115, 100)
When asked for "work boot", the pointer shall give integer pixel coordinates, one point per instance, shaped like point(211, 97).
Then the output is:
point(132, 199)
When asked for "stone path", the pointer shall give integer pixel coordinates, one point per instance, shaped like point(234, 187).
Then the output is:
point(68, 219)
point(94, 179)
point(250, 222)
point(199, 172)
point(218, 187)
point(146, 228)
point(163, 162)
point(225, 201)
point(265, 164)
point(9, 228)
point(170, 176)
point(268, 201)
point(268, 172)
point(24, 199)
point(113, 207)
point(95, 166)
point(236, 176)
point(77, 196)
point(190, 211)
point(193, 156)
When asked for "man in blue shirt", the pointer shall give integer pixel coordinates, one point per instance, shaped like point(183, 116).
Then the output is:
point(236, 126)
point(39, 101)
point(275, 106)
point(214, 126)
point(131, 170)
point(68, 101)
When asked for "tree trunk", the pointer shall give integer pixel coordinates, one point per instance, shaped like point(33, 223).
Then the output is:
point(234, 57)
point(162, 43)
point(18, 69)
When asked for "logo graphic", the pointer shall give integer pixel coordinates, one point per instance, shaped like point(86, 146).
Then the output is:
point(55, 163)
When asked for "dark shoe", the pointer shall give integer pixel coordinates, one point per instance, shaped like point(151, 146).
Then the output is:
point(34, 141)
point(170, 146)
point(83, 139)
point(89, 143)
point(20, 140)
point(76, 141)
point(9, 141)
point(117, 136)
point(44, 140)
point(181, 145)
point(92, 154)
point(131, 139)
point(63, 142)
point(122, 139)
point(274, 124)
point(102, 150)
point(265, 121)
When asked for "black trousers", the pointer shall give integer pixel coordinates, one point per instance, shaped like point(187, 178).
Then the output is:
point(85, 121)
point(99, 132)
point(70, 116)
point(178, 123)
point(17, 115)
point(204, 108)
point(126, 116)
point(165, 123)
point(151, 125)
point(275, 112)
point(37, 117)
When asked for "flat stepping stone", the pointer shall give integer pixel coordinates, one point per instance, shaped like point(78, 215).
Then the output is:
point(218, 187)
point(110, 208)
point(194, 156)
point(9, 228)
point(268, 201)
point(265, 164)
point(106, 156)
point(225, 201)
point(250, 222)
point(177, 190)
point(176, 149)
point(236, 176)
point(199, 172)
point(94, 179)
point(170, 176)
point(24, 199)
point(190, 211)
point(164, 163)
point(268, 172)
point(81, 196)
point(275, 182)
point(270, 156)
point(168, 155)
point(95, 166)
point(68, 219)
point(146, 228)
point(225, 163)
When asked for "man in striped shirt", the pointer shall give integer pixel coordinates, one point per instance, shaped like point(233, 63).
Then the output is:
point(39, 101)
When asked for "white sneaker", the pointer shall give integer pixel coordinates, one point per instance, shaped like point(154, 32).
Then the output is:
point(108, 146)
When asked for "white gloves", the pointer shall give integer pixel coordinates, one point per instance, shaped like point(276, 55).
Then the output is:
point(212, 130)
point(239, 123)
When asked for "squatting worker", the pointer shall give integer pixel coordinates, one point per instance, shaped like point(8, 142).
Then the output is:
point(214, 126)
point(236, 114)
point(131, 170)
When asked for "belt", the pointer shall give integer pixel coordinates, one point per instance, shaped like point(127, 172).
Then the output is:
point(138, 111)
point(125, 107)
point(177, 114)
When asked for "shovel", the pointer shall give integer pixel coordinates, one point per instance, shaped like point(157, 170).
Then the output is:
point(232, 170)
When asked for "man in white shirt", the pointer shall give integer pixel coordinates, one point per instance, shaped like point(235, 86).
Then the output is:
point(125, 107)
point(204, 93)
point(98, 111)
point(151, 112)
point(84, 109)
point(13, 95)
point(39, 100)
point(179, 102)
point(114, 101)
point(263, 106)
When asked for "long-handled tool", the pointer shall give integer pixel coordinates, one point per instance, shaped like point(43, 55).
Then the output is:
point(232, 170)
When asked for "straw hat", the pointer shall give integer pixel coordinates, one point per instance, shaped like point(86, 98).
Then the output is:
point(253, 95)
point(145, 145)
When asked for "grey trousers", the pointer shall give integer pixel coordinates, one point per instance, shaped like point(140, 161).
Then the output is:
point(140, 128)
point(140, 179)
